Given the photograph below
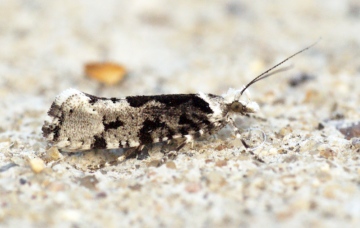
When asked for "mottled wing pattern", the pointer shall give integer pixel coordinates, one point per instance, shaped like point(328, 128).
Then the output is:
point(80, 121)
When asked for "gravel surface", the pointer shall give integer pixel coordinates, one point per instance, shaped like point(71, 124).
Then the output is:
point(310, 174)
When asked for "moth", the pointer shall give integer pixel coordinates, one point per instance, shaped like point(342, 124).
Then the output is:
point(80, 121)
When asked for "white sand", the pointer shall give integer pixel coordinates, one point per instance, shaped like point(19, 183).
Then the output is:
point(310, 177)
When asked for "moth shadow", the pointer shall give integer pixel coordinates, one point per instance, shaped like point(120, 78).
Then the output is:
point(99, 158)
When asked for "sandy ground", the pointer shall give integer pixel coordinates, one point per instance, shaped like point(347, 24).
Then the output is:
point(311, 171)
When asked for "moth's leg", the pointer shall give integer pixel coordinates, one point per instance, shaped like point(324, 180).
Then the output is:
point(129, 152)
point(236, 130)
point(172, 148)
point(189, 139)
point(247, 147)
point(168, 146)
point(181, 145)
point(255, 117)
point(143, 153)
point(173, 145)
point(255, 156)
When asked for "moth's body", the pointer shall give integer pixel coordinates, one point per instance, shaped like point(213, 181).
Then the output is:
point(80, 121)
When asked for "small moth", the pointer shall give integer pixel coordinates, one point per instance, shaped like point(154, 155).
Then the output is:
point(80, 121)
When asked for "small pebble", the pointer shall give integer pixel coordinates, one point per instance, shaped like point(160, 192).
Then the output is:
point(193, 187)
point(37, 165)
point(107, 73)
point(101, 195)
point(88, 182)
point(300, 79)
point(154, 163)
point(351, 131)
point(355, 142)
point(221, 163)
point(53, 153)
point(57, 186)
point(325, 151)
point(273, 151)
point(22, 181)
point(170, 165)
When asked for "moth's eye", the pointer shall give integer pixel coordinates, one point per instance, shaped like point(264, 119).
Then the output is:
point(236, 106)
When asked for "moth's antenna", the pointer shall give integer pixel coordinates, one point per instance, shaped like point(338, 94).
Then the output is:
point(269, 73)
point(274, 72)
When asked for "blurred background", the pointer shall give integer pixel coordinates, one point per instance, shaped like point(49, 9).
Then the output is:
point(162, 46)
point(170, 47)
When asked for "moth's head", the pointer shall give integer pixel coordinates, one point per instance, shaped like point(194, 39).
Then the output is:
point(237, 104)
point(243, 108)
